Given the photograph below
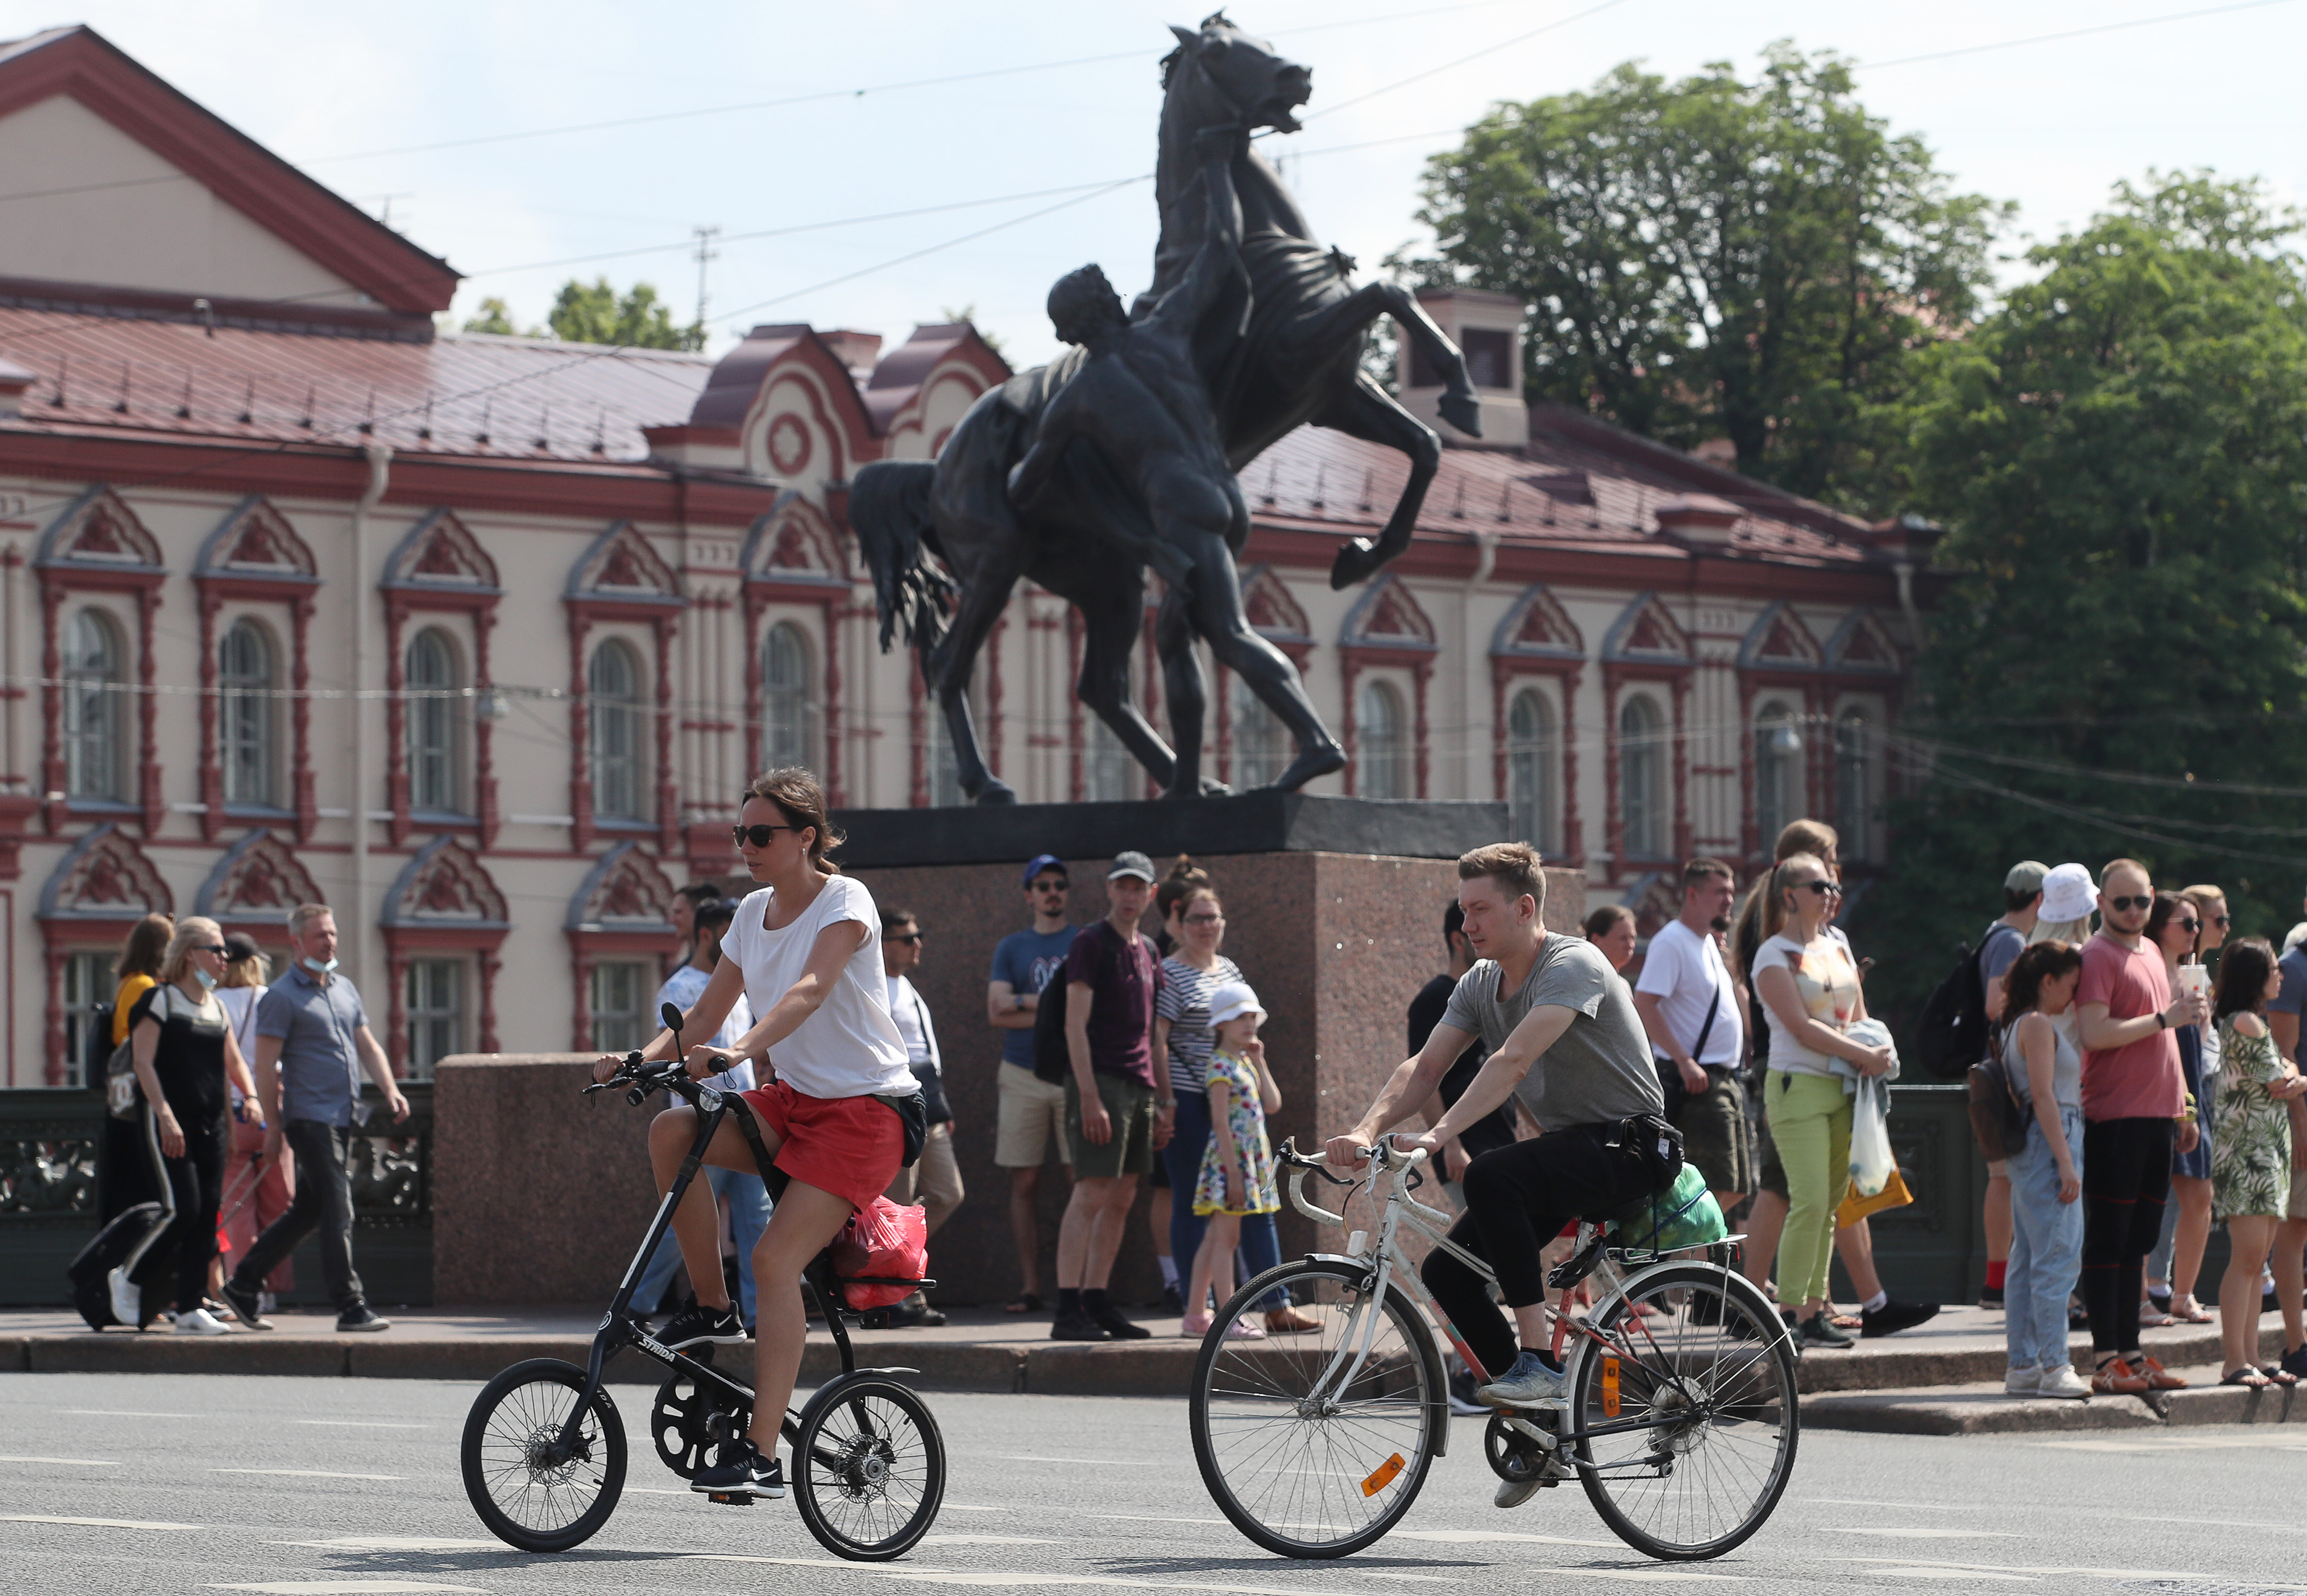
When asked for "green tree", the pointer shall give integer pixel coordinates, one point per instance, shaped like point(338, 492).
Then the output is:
point(1716, 257)
point(2120, 667)
point(599, 314)
point(495, 316)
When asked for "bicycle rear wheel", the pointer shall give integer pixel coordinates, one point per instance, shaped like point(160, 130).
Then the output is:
point(868, 1468)
point(1701, 1419)
point(1305, 1462)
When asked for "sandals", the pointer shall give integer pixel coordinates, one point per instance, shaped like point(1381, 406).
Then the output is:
point(2277, 1375)
point(1023, 1303)
point(2187, 1311)
point(2248, 1377)
point(2151, 1318)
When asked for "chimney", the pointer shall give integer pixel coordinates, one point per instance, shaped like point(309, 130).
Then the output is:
point(14, 382)
point(1488, 329)
point(1698, 518)
point(856, 350)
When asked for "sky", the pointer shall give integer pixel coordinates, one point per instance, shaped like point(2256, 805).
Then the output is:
point(404, 106)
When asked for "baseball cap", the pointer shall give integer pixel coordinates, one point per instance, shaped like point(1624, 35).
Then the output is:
point(1040, 862)
point(2025, 876)
point(1230, 1000)
point(2068, 894)
point(240, 945)
point(1131, 862)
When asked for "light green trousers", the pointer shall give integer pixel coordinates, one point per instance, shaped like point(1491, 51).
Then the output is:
point(1810, 1121)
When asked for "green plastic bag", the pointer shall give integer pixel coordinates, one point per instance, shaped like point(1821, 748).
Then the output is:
point(1685, 1215)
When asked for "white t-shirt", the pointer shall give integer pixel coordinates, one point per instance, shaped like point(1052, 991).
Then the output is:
point(850, 1047)
point(240, 1013)
point(1684, 972)
point(912, 1020)
point(681, 989)
point(1826, 982)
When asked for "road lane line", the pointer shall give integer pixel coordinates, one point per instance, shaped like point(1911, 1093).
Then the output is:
point(1109, 1462)
point(967, 1540)
point(393, 1543)
point(94, 1523)
point(1905, 1532)
point(77, 1463)
point(129, 1413)
point(364, 1424)
point(349, 1587)
point(307, 1473)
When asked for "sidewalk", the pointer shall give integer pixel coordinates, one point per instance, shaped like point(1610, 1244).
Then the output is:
point(1942, 1378)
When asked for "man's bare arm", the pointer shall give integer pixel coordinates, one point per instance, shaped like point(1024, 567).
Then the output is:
point(1411, 1084)
point(1009, 1009)
point(1503, 1070)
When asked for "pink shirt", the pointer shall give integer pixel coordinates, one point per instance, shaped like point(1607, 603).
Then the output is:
point(2141, 1080)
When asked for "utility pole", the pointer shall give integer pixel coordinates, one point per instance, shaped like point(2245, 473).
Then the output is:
point(706, 253)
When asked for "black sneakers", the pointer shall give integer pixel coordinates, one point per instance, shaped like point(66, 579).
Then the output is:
point(248, 1306)
point(695, 1326)
point(742, 1471)
point(355, 1315)
point(1077, 1325)
point(1818, 1330)
point(1115, 1324)
point(1895, 1316)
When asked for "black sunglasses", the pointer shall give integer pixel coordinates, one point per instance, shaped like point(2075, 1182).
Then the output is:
point(2191, 926)
point(1824, 889)
point(759, 835)
point(210, 948)
point(2125, 905)
point(1047, 886)
point(906, 936)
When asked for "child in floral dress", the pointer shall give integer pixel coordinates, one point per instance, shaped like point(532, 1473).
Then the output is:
point(2250, 1160)
point(1237, 1173)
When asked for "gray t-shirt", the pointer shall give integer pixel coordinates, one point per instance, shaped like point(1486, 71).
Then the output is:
point(1598, 1070)
point(1999, 950)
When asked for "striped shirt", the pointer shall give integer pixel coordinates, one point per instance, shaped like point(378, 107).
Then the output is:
point(1185, 1003)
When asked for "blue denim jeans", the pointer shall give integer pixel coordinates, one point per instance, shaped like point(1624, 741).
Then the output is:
point(2046, 1249)
point(749, 1215)
point(1261, 1243)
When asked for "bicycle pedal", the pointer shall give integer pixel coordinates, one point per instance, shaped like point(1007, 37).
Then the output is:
point(735, 1498)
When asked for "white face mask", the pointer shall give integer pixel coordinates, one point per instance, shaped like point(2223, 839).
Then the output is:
point(316, 967)
point(208, 981)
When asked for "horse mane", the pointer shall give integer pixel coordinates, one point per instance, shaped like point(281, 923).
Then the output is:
point(1217, 19)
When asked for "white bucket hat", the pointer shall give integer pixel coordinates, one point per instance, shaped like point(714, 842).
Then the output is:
point(1232, 1000)
point(2069, 893)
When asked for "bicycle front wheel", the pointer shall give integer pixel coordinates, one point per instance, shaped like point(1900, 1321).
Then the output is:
point(1315, 1444)
point(1690, 1417)
point(530, 1485)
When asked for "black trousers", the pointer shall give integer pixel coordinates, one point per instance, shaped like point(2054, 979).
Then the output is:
point(323, 1202)
point(1518, 1198)
point(196, 1179)
point(2126, 1181)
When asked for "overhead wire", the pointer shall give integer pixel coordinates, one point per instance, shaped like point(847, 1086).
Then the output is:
point(2044, 39)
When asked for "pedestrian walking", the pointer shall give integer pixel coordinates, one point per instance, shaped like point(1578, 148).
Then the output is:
point(1236, 1179)
point(1612, 929)
point(2175, 927)
point(742, 1193)
point(2022, 898)
point(1117, 1113)
point(312, 1043)
point(2134, 1103)
point(256, 1188)
point(183, 1047)
point(2252, 1166)
point(935, 1178)
point(2046, 1070)
point(1689, 1009)
point(1030, 1114)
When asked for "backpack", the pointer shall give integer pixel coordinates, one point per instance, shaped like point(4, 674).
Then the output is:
point(1998, 1119)
point(1951, 1031)
point(1052, 1061)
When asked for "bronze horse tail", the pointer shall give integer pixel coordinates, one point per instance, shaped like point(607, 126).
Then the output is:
point(889, 510)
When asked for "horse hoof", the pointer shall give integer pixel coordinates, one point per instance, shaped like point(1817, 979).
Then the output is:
point(1464, 412)
point(1357, 560)
point(1315, 761)
point(996, 792)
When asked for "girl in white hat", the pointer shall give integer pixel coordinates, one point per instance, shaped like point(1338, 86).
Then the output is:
point(1238, 1173)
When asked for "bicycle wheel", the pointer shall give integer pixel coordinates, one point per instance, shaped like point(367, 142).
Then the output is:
point(1698, 1408)
point(868, 1468)
point(1306, 1466)
point(528, 1489)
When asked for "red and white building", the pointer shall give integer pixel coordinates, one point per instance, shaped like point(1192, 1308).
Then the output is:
point(476, 638)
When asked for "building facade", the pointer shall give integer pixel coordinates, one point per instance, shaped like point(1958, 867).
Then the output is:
point(478, 638)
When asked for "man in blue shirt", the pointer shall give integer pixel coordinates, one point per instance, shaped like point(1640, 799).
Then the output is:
point(1032, 1111)
point(312, 1041)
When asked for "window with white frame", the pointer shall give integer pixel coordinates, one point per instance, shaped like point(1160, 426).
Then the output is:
point(1854, 782)
point(93, 699)
point(1777, 770)
point(786, 711)
point(88, 992)
point(1107, 768)
point(1642, 778)
point(244, 715)
point(1260, 743)
point(436, 1013)
point(620, 991)
point(1530, 755)
point(616, 722)
point(436, 711)
point(1382, 743)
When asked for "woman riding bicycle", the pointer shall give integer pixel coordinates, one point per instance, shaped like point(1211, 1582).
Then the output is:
point(806, 951)
point(1534, 995)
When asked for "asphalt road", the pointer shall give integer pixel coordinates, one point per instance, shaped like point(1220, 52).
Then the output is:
point(190, 1483)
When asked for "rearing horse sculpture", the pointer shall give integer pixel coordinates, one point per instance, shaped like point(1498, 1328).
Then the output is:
point(1299, 360)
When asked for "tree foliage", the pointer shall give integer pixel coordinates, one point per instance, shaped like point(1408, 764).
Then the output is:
point(1716, 257)
point(596, 314)
point(2120, 453)
point(494, 316)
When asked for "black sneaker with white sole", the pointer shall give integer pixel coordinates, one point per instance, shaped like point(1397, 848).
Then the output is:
point(248, 1306)
point(742, 1471)
point(355, 1316)
point(698, 1326)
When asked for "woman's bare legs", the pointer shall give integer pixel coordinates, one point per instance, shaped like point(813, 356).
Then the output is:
point(1766, 1217)
point(2192, 1193)
point(2290, 1273)
point(1216, 1260)
point(697, 1223)
point(2247, 1240)
point(804, 1222)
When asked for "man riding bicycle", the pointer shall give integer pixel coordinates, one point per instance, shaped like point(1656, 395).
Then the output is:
point(1534, 995)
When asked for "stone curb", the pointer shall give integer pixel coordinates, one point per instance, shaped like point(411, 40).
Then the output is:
point(1982, 1409)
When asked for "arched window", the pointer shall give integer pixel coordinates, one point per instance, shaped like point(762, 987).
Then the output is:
point(1777, 770)
point(1381, 757)
point(1530, 770)
point(613, 683)
point(91, 706)
point(1260, 743)
point(432, 720)
point(785, 707)
point(1106, 765)
point(245, 717)
point(1854, 789)
point(1642, 779)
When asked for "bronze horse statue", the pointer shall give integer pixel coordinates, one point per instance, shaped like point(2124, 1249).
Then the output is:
point(1086, 538)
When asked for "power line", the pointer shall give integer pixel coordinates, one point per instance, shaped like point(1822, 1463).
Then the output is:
point(2043, 38)
point(2094, 773)
point(1488, 51)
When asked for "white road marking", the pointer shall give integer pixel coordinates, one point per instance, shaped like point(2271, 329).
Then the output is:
point(77, 1463)
point(1917, 1532)
point(958, 1507)
point(347, 1587)
point(1104, 1462)
point(1423, 1579)
point(364, 1424)
point(306, 1474)
point(656, 1490)
point(986, 1541)
point(1646, 1576)
point(2221, 1437)
point(1151, 1518)
point(1910, 1507)
point(1018, 1577)
point(95, 1523)
point(127, 1413)
point(1475, 1537)
point(2031, 1568)
point(391, 1543)
point(731, 1556)
point(1926, 1572)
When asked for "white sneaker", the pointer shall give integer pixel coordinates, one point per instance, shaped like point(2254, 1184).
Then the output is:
point(200, 1321)
point(1525, 1384)
point(2021, 1382)
point(2062, 1381)
point(128, 1299)
point(1514, 1493)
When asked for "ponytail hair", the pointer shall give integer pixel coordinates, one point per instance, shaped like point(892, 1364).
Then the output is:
point(1184, 880)
point(2022, 987)
point(795, 791)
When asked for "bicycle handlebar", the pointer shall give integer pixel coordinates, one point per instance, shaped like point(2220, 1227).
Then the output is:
point(644, 1078)
point(1403, 1161)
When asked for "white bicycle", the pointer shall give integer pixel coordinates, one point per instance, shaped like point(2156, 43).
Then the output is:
point(1680, 1416)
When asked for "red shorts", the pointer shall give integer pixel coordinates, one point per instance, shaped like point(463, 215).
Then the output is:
point(851, 1146)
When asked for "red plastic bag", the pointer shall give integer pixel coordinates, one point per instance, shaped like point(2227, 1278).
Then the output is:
point(885, 1242)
